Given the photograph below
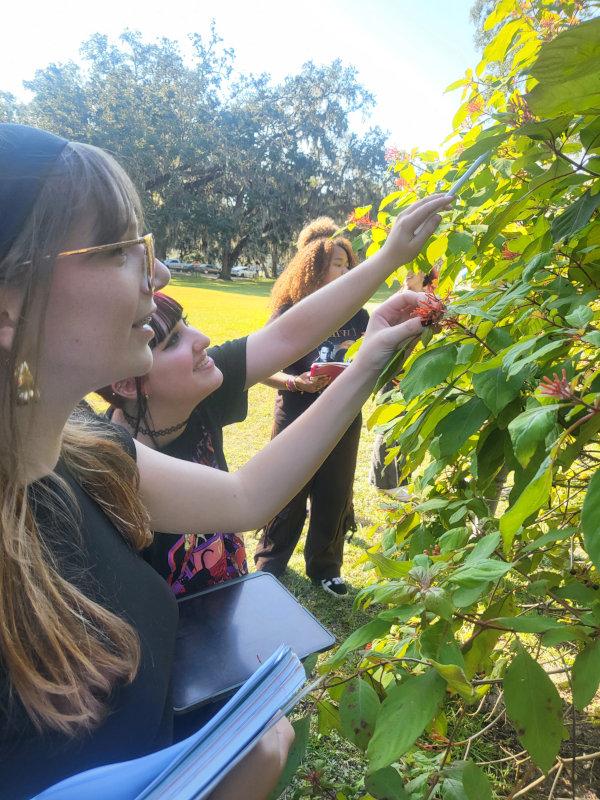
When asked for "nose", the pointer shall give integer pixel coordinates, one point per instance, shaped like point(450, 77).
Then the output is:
point(201, 341)
point(161, 275)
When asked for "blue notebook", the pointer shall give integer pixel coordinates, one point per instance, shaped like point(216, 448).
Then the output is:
point(190, 769)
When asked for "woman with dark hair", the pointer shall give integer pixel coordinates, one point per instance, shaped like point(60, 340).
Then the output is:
point(86, 626)
point(320, 261)
point(193, 391)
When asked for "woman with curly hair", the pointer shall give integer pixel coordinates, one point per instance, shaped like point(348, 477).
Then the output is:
point(321, 259)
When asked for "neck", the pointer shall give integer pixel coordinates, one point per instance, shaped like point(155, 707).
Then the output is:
point(41, 428)
point(161, 420)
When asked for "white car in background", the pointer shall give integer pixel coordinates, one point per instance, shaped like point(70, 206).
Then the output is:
point(249, 271)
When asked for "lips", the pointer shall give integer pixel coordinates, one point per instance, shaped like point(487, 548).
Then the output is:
point(204, 363)
point(144, 320)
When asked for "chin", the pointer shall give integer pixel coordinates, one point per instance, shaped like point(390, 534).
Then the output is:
point(143, 363)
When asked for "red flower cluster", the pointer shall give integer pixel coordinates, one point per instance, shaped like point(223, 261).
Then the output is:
point(361, 222)
point(393, 154)
point(558, 387)
point(430, 311)
point(476, 106)
point(509, 254)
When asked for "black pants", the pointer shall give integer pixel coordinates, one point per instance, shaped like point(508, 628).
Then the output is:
point(331, 516)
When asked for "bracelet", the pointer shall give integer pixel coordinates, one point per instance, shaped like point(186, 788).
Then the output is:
point(291, 384)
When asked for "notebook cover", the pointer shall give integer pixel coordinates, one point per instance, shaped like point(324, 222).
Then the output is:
point(227, 631)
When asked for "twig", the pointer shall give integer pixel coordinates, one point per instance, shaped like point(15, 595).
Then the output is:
point(555, 781)
point(534, 783)
point(479, 733)
point(504, 760)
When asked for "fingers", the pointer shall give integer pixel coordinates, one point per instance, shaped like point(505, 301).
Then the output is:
point(425, 229)
point(420, 211)
point(422, 202)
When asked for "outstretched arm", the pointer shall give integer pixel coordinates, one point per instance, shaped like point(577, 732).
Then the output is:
point(183, 497)
point(304, 326)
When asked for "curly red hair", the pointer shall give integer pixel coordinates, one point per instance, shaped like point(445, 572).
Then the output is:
point(306, 271)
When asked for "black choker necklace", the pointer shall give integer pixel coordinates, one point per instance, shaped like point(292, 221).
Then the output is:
point(148, 431)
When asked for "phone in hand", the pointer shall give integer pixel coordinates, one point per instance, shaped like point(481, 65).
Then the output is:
point(331, 369)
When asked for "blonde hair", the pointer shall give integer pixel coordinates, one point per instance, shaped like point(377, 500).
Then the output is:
point(306, 271)
point(62, 651)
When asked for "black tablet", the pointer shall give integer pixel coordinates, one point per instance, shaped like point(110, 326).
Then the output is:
point(226, 632)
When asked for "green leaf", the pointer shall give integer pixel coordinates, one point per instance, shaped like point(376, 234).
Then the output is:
point(476, 783)
point(359, 707)
point(428, 369)
point(590, 519)
point(534, 708)
point(403, 716)
point(590, 135)
point(547, 538)
point(456, 679)
point(459, 242)
point(464, 780)
point(455, 428)
point(586, 675)
point(328, 717)
point(309, 663)
point(484, 548)
point(296, 755)
point(390, 567)
point(487, 570)
point(436, 600)
point(576, 216)
point(496, 50)
point(568, 71)
point(529, 429)
point(580, 317)
point(366, 633)
point(496, 389)
point(535, 494)
point(386, 784)
point(529, 623)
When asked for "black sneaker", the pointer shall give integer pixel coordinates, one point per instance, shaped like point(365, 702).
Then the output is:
point(334, 586)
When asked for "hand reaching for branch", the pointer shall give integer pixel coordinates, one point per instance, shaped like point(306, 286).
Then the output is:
point(391, 326)
point(403, 243)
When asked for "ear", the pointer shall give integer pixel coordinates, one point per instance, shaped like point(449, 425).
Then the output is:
point(11, 301)
point(126, 388)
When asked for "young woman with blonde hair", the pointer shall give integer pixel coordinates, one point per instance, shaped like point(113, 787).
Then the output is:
point(86, 626)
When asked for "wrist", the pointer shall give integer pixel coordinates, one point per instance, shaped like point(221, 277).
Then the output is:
point(290, 383)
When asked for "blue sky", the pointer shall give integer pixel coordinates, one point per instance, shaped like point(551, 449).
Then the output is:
point(406, 51)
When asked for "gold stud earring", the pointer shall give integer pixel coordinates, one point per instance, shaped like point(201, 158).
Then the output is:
point(26, 388)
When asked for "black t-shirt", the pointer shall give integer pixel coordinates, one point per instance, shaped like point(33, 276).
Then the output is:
point(289, 405)
point(192, 562)
point(107, 569)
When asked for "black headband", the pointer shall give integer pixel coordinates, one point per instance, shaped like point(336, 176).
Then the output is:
point(26, 158)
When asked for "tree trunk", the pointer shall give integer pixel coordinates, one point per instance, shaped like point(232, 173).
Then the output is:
point(272, 269)
point(226, 264)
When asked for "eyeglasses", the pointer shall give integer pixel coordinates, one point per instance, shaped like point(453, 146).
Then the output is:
point(149, 257)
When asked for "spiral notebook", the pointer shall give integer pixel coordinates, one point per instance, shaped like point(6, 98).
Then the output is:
point(190, 769)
